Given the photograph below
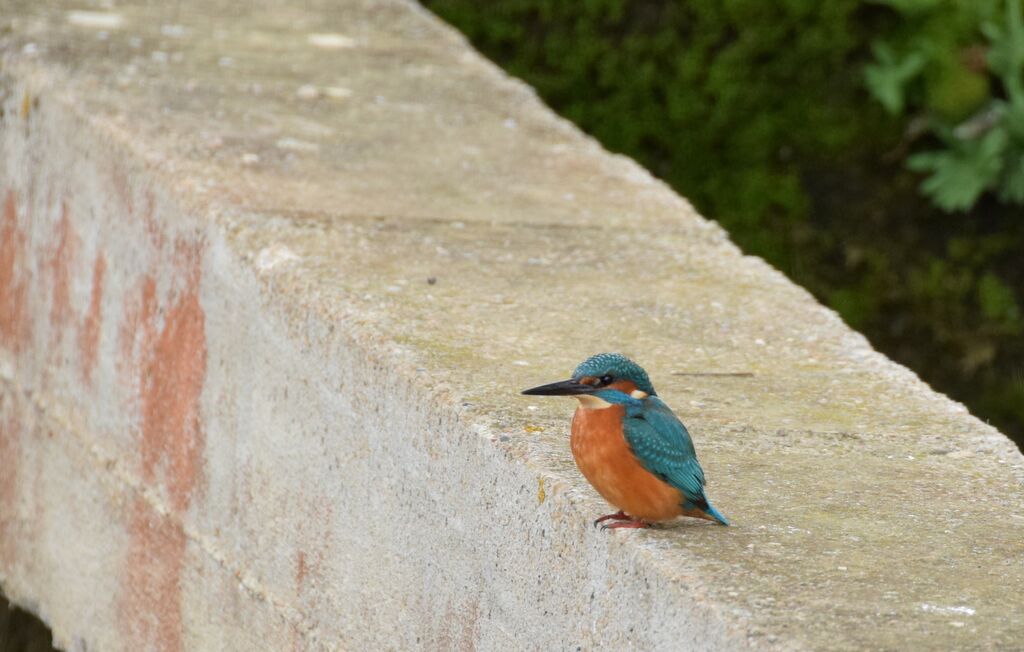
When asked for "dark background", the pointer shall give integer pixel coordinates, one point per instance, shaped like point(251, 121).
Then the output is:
point(20, 631)
point(758, 113)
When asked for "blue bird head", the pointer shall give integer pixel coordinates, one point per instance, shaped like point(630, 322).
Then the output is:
point(597, 372)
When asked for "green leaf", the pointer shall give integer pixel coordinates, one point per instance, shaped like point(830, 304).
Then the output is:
point(1006, 52)
point(1011, 184)
point(1013, 119)
point(887, 78)
point(962, 173)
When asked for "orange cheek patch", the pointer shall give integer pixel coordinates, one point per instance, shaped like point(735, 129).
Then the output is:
point(624, 386)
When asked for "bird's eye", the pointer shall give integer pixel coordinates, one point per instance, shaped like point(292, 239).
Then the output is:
point(606, 380)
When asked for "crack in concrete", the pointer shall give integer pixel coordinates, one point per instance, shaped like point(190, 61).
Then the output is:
point(297, 217)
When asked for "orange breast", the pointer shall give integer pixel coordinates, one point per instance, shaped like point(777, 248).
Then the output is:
point(605, 460)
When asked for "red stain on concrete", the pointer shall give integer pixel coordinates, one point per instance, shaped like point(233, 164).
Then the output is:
point(459, 627)
point(89, 333)
point(156, 234)
point(59, 265)
point(139, 311)
point(163, 353)
point(300, 570)
point(14, 321)
point(171, 386)
point(315, 525)
point(151, 595)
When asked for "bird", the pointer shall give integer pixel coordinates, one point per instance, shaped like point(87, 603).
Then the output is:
point(630, 445)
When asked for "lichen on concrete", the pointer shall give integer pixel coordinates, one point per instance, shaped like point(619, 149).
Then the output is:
point(269, 287)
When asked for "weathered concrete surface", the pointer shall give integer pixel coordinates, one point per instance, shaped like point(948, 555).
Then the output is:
point(236, 415)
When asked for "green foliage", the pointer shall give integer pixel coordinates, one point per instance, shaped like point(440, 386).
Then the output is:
point(1006, 54)
point(758, 113)
point(888, 78)
point(941, 71)
point(963, 172)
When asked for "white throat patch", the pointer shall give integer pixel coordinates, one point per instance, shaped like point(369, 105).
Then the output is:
point(589, 402)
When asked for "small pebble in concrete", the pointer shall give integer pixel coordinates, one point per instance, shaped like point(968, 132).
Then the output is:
point(96, 19)
point(331, 41)
point(308, 92)
point(296, 145)
point(274, 255)
point(337, 92)
point(932, 608)
point(250, 158)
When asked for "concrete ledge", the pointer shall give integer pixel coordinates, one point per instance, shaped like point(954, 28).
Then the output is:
point(269, 285)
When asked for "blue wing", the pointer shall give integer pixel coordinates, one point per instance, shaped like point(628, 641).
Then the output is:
point(663, 447)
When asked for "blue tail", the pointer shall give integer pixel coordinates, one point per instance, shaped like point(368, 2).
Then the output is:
point(715, 514)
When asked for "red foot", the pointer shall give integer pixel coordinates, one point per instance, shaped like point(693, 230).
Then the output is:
point(631, 524)
point(618, 516)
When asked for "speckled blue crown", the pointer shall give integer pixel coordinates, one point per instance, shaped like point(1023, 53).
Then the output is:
point(617, 365)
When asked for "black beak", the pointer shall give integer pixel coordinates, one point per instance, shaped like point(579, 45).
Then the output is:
point(564, 388)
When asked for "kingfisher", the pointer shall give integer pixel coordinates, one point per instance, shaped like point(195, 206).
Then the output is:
point(630, 445)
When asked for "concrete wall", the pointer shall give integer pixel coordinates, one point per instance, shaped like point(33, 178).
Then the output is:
point(270, 282)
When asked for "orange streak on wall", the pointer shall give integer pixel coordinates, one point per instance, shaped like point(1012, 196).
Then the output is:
point(14, 324)
point(171, 385)
point(165, 360)
point(60, 267)
point(139, 313)
point(151, 592)
point(89, 334)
